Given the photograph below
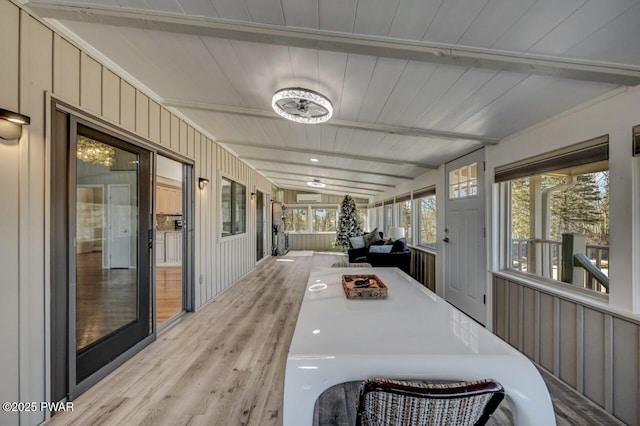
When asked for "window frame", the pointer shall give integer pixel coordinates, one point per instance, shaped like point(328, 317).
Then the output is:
point(418, 214)
point(311, 216)
point(596, 149)
point(233, 208)
point(304, 207)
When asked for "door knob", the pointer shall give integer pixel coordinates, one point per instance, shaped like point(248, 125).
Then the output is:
point(445, 239)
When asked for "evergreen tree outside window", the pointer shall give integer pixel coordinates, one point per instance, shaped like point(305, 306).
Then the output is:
point(323, 219)
point(348, 223)
point(296, 219)
point(404, 214)
point(548, 207)
point(556, 218)
point(578, 204)
point(362, 216)
point(427, 217)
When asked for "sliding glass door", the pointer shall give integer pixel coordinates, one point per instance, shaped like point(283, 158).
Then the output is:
point(109, 285)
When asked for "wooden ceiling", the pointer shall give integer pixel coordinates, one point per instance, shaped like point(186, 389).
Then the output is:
point(414, 83)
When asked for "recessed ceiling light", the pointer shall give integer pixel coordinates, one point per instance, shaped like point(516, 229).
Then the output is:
point(313, 160)
point(316, 184)
point(302, 105)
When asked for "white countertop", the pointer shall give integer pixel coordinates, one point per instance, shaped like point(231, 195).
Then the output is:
point(412, 333)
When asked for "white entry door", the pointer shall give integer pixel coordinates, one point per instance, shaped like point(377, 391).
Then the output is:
point(120, 227)
point(464, 243)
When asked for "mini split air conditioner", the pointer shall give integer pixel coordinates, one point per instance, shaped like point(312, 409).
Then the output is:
point(308, 198)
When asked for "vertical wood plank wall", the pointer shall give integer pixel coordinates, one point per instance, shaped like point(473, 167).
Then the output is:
point(595, 352)
point(35, 60)
point(316, 242)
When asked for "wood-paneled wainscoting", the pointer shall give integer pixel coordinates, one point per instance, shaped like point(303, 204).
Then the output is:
point(594, 351)
point(423, 267)
point(315, 242)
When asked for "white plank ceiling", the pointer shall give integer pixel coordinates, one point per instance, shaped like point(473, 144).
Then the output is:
point(224, 81)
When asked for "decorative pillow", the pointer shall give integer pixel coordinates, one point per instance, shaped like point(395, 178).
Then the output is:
point(371, 237)
point(399, 245)
point(357, 242)
point(380, 249)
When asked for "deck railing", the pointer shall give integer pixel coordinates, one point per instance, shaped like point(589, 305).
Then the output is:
point(423, 267)
point(544, 258)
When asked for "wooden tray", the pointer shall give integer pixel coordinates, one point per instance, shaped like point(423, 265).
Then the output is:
point(375, 289)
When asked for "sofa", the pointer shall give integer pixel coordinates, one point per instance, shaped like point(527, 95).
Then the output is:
point(399, 256)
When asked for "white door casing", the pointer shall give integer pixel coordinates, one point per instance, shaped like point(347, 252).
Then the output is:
point(120, 227)
point(465, 235)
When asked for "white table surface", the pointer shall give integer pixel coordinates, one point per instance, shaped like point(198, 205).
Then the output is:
point(412, 334)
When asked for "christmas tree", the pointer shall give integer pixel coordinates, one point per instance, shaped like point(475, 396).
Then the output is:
point(347, 223)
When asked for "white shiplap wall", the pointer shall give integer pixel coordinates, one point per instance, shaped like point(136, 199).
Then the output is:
point(36, 60)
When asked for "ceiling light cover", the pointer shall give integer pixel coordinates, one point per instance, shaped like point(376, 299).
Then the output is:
point(91, 151)
point(316, 184)
point(302, 105)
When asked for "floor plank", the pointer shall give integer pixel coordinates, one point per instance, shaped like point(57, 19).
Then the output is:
point(224, 365)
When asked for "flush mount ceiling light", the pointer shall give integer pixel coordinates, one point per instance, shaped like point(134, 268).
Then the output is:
point(302, 105)
point(313, 160)
point(316, 184)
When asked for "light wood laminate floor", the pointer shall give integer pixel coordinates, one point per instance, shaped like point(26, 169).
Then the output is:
point(224, 365)
point(106, 298)
point(168, 292)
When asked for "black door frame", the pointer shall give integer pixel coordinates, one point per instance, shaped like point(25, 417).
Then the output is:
point(86, 363)
point(260, 225)
point(188, 239)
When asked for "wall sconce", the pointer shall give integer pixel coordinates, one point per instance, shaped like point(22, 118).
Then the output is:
point(11, 124)
point(253, 196)
point(202, 183)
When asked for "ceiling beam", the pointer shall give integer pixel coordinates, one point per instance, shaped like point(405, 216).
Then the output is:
point(372, 127)
point(309, 176)
point(341, 169)
point(387, 47)
point(332, 185)
point(323, 190)
point(330, 154)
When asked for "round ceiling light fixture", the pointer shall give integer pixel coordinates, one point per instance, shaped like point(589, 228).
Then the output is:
point(302, 105)
point(316, 184)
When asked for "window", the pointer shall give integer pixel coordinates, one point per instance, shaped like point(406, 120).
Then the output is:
point(388, 217)
point(558, 216)
point(376, 219)
point(463, 182)
point(427, 220)
point(296, 219)
point(234, 207)
point(362, 217)
point(324, 219)
point(404, 215)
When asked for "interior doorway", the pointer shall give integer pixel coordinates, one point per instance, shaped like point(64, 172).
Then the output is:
point(170, 294)
point(260, 225)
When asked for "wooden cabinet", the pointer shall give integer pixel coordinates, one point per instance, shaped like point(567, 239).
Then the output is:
point(160, 248)
point(171, 247)
point(171, 252)
point(175, 201)
point(168, 200)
